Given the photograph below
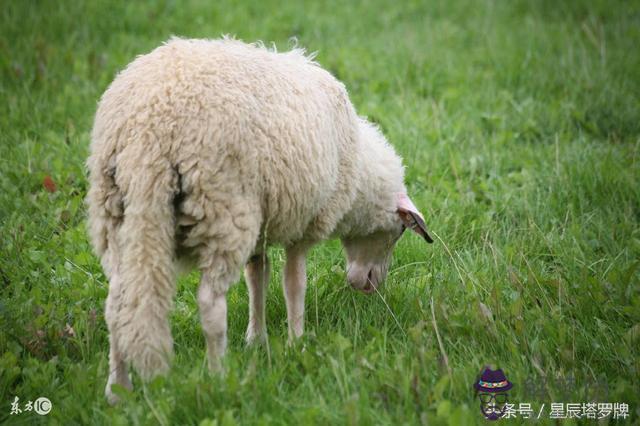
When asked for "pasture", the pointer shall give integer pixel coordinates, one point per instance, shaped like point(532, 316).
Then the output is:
point(519, 125)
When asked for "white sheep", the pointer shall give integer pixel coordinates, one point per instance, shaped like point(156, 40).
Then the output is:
point(212, 150)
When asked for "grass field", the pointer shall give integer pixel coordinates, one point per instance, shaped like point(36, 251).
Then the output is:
point(519, 123)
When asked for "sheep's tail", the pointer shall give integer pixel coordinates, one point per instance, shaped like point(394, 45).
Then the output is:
point(146, 266)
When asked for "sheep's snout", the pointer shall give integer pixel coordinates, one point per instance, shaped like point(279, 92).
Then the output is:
point(363, 279)
point(368, 259)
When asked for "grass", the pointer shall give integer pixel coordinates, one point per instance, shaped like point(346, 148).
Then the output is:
point(519, 123)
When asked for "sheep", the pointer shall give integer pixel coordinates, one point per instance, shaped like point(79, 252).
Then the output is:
point(206, 152)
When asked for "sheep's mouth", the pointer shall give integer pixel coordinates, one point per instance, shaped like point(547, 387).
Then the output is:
point(369, 286)
point(366, 284)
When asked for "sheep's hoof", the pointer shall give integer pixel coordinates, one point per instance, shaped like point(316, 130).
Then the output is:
point(256, 338)
point(113, 398)
point(216, 367)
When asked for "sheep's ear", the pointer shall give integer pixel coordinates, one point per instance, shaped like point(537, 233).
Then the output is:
point(411, 217)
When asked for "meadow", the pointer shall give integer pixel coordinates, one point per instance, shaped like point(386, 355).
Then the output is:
point(519, 124)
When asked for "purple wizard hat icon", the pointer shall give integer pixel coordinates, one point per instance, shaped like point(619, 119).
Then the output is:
point(493, 381)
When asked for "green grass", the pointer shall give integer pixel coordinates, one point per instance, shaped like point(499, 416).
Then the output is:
point(519, 123)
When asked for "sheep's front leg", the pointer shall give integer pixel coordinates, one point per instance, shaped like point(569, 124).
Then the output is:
point(213, 315)
point(257, 276)
point(295, 284)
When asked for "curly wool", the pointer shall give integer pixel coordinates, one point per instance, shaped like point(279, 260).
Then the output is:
point(210, 149)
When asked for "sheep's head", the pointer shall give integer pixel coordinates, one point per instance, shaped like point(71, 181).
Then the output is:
point(369, 256)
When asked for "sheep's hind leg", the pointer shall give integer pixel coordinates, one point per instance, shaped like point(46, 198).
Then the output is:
point(117, 366)
point(294, 286)
point(221, 262)
point(213, 315)
point(256, 274)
